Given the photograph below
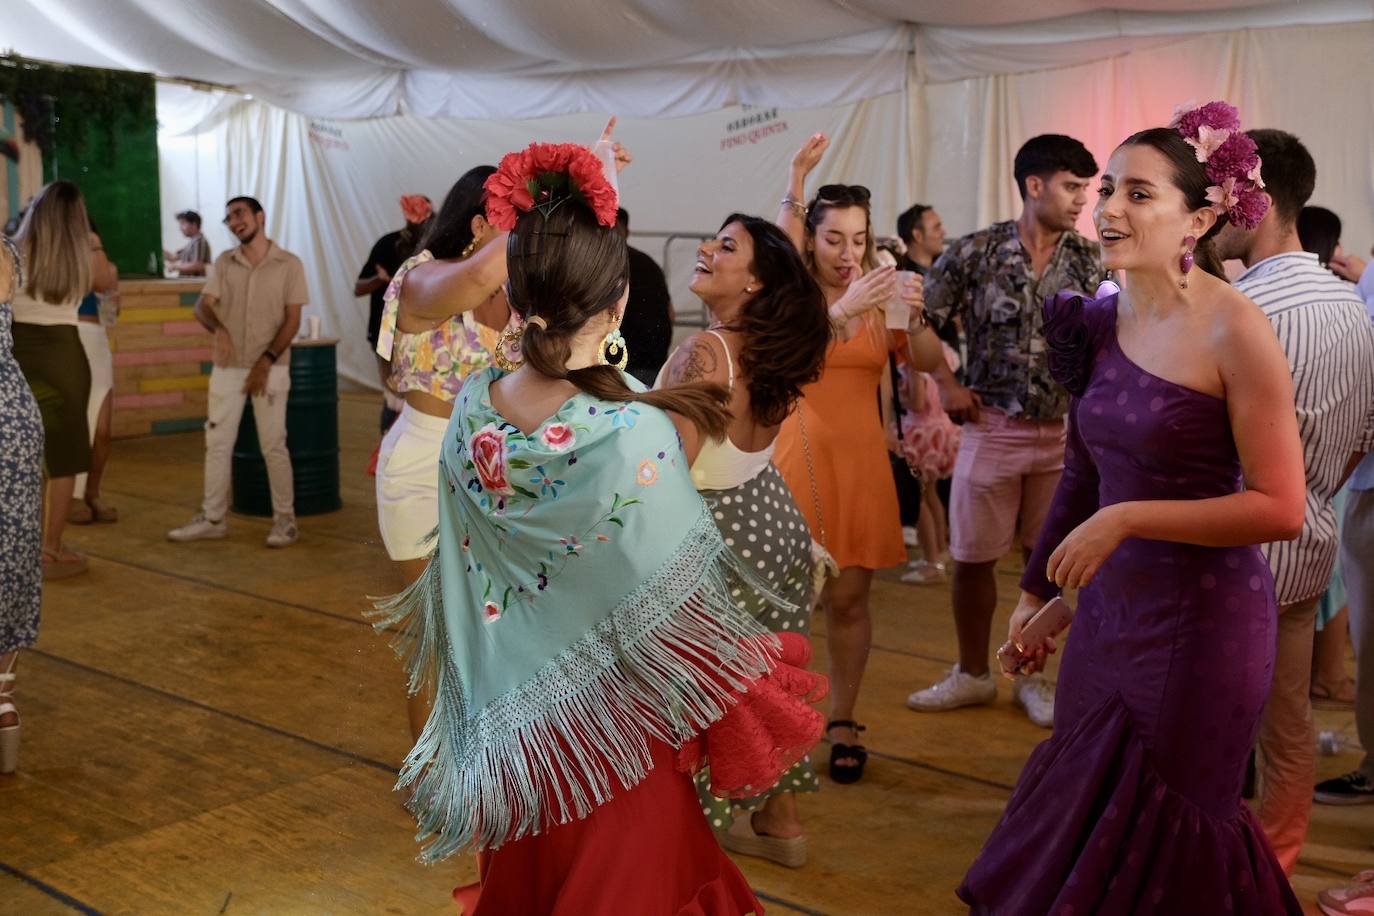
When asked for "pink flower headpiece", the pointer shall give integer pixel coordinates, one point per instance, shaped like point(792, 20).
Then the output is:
point(542, 177)
point(1231, 159)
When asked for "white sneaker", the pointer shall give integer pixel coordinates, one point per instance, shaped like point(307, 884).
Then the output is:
point(956, 690)
point(922, 572)
point(283, 533)
point(909, 537)
point(1349, 901)
point(1035, 695)
point(199, 528)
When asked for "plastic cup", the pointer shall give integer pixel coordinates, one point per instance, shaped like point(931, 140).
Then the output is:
point(898, 312)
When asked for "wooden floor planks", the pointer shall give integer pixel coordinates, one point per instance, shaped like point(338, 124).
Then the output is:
point(212, 728)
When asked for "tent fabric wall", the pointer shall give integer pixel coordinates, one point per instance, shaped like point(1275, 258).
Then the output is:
point(497, 59)
point(330, 188)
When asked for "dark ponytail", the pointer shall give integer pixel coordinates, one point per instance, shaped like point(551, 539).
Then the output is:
point(1190, 177)
point(566, 268)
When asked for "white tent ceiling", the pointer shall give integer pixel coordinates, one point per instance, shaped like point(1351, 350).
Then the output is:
point(651, 58)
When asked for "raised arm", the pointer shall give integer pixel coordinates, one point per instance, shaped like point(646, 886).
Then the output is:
point(792, 213)
point(439, 289)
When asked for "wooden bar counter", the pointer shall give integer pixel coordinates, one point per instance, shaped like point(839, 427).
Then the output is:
point(162, 358)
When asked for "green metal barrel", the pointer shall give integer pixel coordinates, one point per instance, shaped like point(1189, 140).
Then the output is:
point(312, 438)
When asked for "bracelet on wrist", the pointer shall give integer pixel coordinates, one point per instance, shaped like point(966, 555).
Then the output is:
point(271, 356)
point(795, 205)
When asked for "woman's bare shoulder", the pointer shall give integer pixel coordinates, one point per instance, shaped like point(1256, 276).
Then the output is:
point(700, 358)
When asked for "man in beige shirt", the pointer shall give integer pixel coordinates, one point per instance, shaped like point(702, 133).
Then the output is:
point(252, 304)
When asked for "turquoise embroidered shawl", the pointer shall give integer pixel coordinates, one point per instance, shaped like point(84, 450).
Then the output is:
point(579, 602)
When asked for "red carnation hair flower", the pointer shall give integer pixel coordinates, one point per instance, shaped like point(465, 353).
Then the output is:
point(545, 175)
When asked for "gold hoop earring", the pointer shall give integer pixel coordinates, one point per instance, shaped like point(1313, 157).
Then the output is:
point(614, 350)
point(509, 343)
point(471, 247)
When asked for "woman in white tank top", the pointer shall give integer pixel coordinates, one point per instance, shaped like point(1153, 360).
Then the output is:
point(768, 338)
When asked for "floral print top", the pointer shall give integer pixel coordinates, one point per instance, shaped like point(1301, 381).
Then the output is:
point(434, 361)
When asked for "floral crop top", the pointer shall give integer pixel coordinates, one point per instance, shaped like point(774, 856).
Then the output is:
point(434, 361)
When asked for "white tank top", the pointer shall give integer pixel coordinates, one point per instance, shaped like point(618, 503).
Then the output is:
point(28, 310)
point(722, 465)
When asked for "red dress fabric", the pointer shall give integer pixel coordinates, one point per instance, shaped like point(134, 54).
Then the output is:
point(767, 731)
point(647, 850)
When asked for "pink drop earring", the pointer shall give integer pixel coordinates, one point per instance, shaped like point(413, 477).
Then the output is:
point(1185, 261)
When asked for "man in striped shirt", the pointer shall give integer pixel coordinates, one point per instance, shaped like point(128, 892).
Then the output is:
point(1327, 336)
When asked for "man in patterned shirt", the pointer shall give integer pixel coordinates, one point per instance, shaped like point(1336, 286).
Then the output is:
point(1012, 448)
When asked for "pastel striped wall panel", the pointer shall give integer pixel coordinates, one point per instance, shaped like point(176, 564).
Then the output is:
point(161, 359)
point(162, 411)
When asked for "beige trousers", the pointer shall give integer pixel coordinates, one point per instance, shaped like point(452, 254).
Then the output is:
point(1287, 747)
point(226, 399)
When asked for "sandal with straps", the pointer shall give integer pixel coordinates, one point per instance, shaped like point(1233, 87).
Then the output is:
point(56, 567)
point(9, 734)
point(846, 773)
point(1341, 696)
point(101, 513)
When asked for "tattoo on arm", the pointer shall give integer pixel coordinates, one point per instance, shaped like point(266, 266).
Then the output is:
point(698, 363)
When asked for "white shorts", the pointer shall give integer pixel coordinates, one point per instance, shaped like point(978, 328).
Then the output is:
point(96, 342)
point(408, 483)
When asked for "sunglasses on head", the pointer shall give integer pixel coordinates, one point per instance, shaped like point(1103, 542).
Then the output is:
point(842, 193)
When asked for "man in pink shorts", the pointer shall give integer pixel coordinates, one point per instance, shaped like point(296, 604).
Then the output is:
point(1011, 451)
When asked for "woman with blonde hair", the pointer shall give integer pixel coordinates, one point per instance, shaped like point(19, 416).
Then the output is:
point(832, 450)
point(62, 260)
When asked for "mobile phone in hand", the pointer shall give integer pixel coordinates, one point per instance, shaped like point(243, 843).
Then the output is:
point(1051, 620)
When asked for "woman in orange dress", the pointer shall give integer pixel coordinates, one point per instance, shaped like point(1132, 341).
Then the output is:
point(832, 449)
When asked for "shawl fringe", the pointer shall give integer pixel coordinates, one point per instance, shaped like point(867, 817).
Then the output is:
point(663, 663)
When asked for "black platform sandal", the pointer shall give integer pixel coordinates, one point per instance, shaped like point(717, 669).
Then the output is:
point(846, 773)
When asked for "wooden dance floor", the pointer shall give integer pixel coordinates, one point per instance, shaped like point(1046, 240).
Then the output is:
point(211, 728)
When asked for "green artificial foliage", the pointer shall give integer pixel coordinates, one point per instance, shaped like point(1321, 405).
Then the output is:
point(97, 128)
point(43, 94)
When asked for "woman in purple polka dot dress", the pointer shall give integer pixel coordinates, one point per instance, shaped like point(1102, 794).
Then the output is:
point(1172, 474)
